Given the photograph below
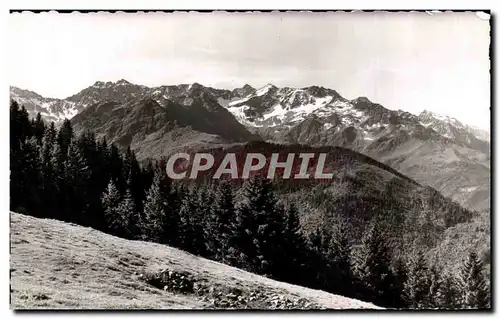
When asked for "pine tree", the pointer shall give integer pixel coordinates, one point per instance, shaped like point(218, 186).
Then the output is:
point(111, 200)
point(317, 258)
point(474, 290)
point(374, 267)
point(38, 128)
point(77, 176)
point(62, 180)
point(148, 174)
point(191, 236)
point(398, 289)
point(49, 140)
point(23, 162)
point(203, 218)
point(128, 214)
point(221, 223)
point(116, 168)
point(27, 179)
point(98, 178)
point(271, 240)
point(48, 172)
point(295, 251)
point(102, 169)
point(59, 182)
point(436, 281)
point(132, 170)
point(161, 222)
point(418, 284)
point(341, 277)
point(155, 209)
point(64, 137)
point(258, 227)
point(15, 128)
point(20, 126)
point(448, 294)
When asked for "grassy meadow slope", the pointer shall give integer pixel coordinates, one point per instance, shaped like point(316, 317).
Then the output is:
point(60, 265)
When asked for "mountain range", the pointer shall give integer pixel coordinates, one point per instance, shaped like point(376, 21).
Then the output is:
point(436, 150)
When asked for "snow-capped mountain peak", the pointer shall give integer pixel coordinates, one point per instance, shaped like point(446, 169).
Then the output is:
point(123, 82)
point(267, 107)
point(263, 90)
point(451, 127)
point(51, 109)
point(428, 116)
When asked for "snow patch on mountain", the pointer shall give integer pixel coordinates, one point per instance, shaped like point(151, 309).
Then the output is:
point(451, 127)
point(298, 113)
point(263, 90)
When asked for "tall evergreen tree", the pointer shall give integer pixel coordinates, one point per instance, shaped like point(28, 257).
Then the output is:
point(129, 215)
point(111, 199)
point(103, 165)
point(418, 284)
point(374, 267)
point(341, 278)
point(20, 126)
point(258, 227)
point(22, 157)
point(116, 168)
point(317, 258)
point(221, 222)
point(48, 171)
point(98, 177)
point(64, 137)
point(448, 295)
point(294, 259)
point(191, 235)
point(59, 182)
point(15, 128)
point(475, 292)
point(436, 281)
point(38, 128)
point(27, 179)
point(132, 170)
point(148, 174)
point(77, 176)
point(160, 222)
point(49, 140)
point(398, 289)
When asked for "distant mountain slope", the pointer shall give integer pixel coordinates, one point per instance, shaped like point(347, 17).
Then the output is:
point(60, 265)
point(154, 121)
point(451, 127)
point(275, 107)
point(361, 191)
point(155, 127)
point(51, 109)
point(458, 240)
point(457, 172)
point(120, 91)
point(436, 150)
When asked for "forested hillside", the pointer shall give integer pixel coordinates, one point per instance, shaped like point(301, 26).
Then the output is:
point(358, 249)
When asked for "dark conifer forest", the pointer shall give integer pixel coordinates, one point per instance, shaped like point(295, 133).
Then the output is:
point(88, 181)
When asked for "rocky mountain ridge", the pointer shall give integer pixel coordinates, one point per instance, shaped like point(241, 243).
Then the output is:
point(433, 149)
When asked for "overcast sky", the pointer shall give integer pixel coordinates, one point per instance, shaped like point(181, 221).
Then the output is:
point(409, 61)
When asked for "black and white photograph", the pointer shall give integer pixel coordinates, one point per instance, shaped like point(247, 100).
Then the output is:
point(250, 161)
